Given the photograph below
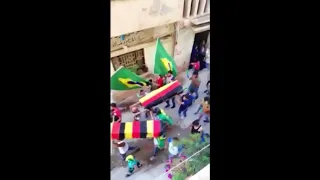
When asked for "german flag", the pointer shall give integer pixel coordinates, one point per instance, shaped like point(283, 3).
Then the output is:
point(137, 129)
point(162, 94)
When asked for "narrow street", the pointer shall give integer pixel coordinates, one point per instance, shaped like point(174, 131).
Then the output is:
point(153, 169)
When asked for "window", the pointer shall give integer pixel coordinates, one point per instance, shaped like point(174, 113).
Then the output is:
point(133, 61)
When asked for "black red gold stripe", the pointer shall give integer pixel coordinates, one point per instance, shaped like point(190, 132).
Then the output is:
point(158, 96)
point(137, 129)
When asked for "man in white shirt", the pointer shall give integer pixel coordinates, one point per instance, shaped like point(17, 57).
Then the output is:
point(173, 149)
point(123, 147)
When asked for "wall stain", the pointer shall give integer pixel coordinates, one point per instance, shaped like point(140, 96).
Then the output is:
point(159, 8)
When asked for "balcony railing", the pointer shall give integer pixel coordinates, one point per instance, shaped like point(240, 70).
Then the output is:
point(194, 8)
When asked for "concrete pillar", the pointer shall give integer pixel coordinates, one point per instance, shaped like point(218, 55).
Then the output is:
point(194, 9)
point(187, 8)
point(207, 8)
point(202, 6)
point(208, 41)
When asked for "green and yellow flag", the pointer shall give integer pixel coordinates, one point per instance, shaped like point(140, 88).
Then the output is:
point(163, 61)
point(124, 79)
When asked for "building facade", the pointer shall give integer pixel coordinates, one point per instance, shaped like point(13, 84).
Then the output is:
point(193, 29)
point(136, 24)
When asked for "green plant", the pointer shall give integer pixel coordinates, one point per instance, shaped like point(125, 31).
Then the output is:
point(192, 145)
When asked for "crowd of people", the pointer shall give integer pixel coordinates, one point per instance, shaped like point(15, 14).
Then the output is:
point(185, 101)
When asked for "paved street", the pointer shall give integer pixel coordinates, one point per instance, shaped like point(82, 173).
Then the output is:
point(153, 169)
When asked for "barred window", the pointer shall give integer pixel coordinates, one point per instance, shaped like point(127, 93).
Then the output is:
point(134, 61)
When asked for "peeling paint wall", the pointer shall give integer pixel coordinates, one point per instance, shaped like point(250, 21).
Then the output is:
point(184, 47)
point(133, 15)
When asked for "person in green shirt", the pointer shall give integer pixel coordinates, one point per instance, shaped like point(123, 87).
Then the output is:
point(131, 163)
point(162, 116)
point(159, 144)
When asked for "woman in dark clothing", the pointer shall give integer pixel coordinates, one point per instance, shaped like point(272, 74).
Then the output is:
point(196, 127)
point(202, 55)
point(194, 56)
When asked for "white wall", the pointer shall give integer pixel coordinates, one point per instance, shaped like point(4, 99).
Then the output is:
point(203, 174)
point(184, 47)
point(133, 15)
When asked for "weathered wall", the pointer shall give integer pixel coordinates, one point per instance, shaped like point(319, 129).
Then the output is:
point(139, 37)
point(133, 15)
point(184, 47)
point(149, 52)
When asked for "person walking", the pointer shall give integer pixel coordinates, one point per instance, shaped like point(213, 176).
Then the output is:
point(196, 128)
point(173, 149)
point(194, 55)
point(190, 99)
point(123, 147)
point(160, 81)
point(183, 107)
point(132, 162)
point(195, 84)
point(205, 107)
point(170, 78)
point(162, 116)
point(159, 144)
point(196, 65)
point(115, 111)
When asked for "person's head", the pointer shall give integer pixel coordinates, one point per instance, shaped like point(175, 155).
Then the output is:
point(141, 91)
point(134, 109)
point(129, 158)
point(113, 105)
point(184, 97)
point(150, 81)
point(160, 76)
point(206, 99)
point(195, 74)
point(169, 73)
point(157, 111)
point(163, 136)
point(196, 123)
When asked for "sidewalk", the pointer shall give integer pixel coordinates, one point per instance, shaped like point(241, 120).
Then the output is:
point(147, 172)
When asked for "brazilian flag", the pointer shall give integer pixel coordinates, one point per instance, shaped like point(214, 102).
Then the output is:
point(163, 61)
point(124, 79)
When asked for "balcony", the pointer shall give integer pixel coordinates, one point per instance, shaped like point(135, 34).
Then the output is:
point(195, 8)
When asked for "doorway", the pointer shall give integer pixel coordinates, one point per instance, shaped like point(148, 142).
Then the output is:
point(199, 39)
